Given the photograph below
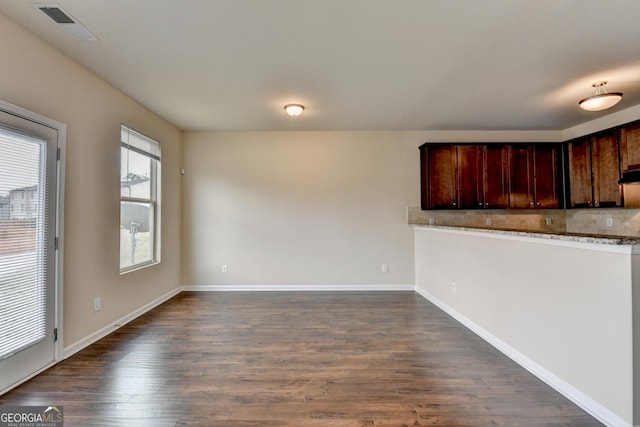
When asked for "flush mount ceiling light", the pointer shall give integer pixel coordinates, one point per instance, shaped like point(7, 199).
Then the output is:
point(601, 100)
point(294, 110)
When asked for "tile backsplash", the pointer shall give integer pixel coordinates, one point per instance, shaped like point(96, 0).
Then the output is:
point(595, 221)
point(618, 222)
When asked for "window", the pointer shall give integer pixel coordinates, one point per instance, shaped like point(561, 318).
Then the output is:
point(139, 197)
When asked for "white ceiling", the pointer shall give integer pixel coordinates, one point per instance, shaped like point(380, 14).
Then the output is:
point(356, 64)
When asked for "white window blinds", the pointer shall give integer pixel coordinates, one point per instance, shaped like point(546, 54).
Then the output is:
point(139, 143)
point(22, 241)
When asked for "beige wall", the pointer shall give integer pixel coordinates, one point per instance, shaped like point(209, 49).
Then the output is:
point(567, 308)
point(40, 79)
point(307, 208)
point(298, 208)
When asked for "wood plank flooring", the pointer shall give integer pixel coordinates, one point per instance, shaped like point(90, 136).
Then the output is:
point(296, 359)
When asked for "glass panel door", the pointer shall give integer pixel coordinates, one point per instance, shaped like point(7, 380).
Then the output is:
point(27, 247)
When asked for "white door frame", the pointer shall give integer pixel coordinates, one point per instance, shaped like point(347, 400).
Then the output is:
point(59, 225)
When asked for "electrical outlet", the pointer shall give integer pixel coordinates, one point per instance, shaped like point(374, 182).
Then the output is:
point(385, 268)
point(432, 221)
point(225, 268)
point(488, 221)
point(609, 222)
point(547, 221)
point(453, 287)
point(97, 304)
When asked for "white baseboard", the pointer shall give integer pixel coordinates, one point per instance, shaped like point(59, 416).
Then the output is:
point(87, 341)
point(296, 288)
point(594, 408)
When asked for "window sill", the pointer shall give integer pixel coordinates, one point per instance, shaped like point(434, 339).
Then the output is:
point(138, 267)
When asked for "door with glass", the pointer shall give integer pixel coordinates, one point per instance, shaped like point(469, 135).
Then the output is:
point(28, 193)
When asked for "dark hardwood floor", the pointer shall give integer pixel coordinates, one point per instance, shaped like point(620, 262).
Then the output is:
point(296, 359)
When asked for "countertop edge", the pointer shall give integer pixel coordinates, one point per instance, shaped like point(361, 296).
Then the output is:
point(622, 244)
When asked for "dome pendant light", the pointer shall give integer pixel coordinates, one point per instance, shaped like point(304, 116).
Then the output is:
point(294, 110)
point(601, 100)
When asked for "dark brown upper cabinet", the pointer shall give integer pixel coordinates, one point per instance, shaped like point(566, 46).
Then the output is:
point(630, 147)
point(546, 174)
point(520, 177)
point(451, 176)
point(581, 173)
point(579, 155)
point(594, 171)
point(534, 180)
point(496, 176)
point(439, 180)
point(489, 176)
point(605, 169)
point(470, 177)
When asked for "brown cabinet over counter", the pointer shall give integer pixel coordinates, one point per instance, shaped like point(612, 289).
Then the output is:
point(586, 172)
point(630, 147)
point(440, 177)
point(490, 176)
point(594, 171)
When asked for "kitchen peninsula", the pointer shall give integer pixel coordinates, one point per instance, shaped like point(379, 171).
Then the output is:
point(557, 291)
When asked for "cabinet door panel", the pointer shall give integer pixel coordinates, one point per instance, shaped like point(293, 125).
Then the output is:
point(580, 173)
point(496, 177)
point(606, 170)
point(630, 147)
point(520, 177)
point(546, 176)
point(424, 178)
point(470, 177)
point(442, 177)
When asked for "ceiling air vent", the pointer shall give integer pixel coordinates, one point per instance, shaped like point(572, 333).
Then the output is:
point(56, 14)
point(66, 21)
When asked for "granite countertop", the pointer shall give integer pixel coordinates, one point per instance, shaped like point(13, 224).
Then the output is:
point(572, 237)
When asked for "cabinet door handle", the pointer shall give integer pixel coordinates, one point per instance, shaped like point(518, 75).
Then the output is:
point(537, 203)
point(486, 205)
point(455, 204)
point(531, 204)
point(589, 202)
point(597, 203)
